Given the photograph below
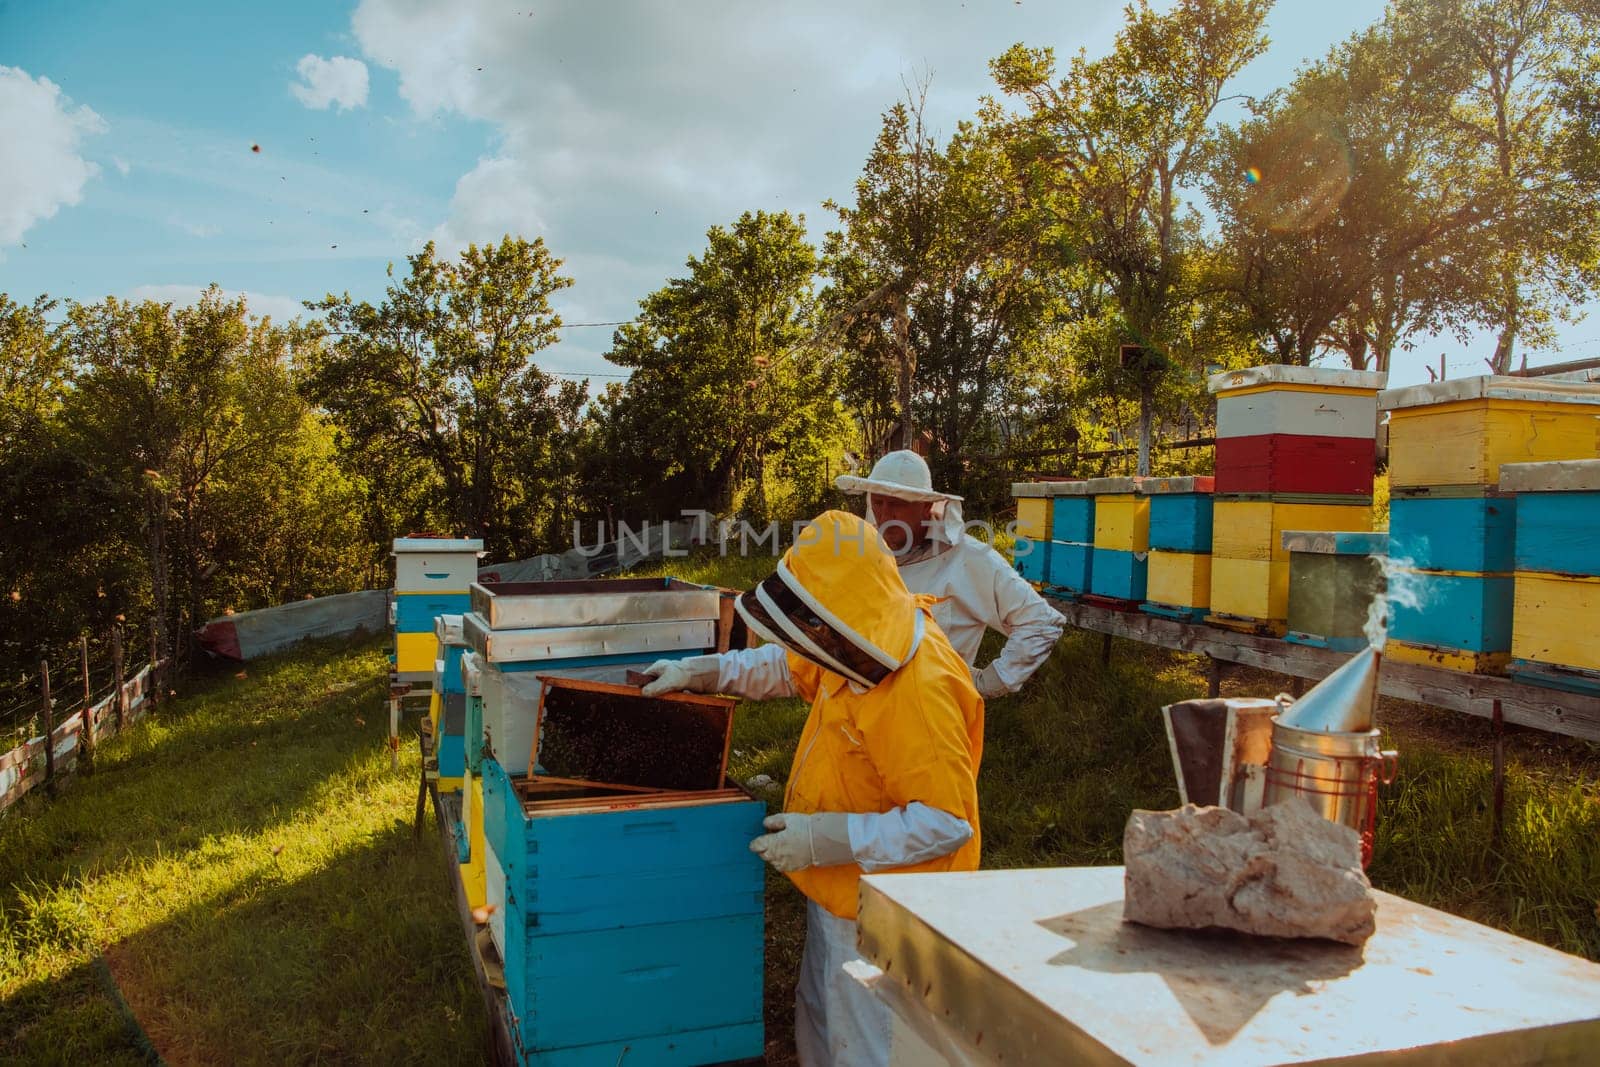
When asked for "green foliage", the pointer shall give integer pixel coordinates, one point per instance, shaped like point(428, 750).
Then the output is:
point(435, 391)
point(725, 394)
point(1514, 123)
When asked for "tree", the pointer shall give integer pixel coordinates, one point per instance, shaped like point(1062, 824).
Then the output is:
point(1111, 146)
point(1339, 228)
point(893, 245)
point(169, 406)
point(934, 283)
point(724, 393)
point(1514, 122)
point(442, 374)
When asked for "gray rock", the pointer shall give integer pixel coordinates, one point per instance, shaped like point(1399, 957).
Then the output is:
point(1284, 871)
point(760, 781)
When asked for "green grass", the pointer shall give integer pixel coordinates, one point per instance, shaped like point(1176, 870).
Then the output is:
point(345, 944)
point(244, 861)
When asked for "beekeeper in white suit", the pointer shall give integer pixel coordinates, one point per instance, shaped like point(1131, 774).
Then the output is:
point(979, 589)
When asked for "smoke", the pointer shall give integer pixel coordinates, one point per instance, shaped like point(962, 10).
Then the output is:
point(1403, 589)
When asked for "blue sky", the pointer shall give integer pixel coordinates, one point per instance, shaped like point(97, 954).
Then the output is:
point(620, 132)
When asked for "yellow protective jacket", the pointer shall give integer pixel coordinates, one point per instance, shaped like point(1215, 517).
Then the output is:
point(916, 736)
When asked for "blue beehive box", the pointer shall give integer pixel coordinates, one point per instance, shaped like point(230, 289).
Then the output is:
point(1469, 613)
point(1071, 512)
point(1031, 558)
point(1120, 575)
point(1558, 532)
point(633, 913)
point(1071, 566)
point(1473, 532)
point(414, 613)
point(1180, 513)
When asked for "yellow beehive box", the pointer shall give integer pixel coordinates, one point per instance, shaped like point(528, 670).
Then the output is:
point(1033, 510)
point(1253, 529)
point(1460, 432)
point(1250, 588)
point(472, 872)
point(1121, 516)
point(1454, 659)
point(415, 653)
point(1181, 579)
point(1554, 620)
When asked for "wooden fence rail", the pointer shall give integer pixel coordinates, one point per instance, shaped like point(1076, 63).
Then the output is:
point(33, 762)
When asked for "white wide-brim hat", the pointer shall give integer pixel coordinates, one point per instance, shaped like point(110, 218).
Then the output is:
point(903, 475)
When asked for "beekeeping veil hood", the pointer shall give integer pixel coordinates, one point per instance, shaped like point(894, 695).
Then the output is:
point(837, 600)
point(905, 476)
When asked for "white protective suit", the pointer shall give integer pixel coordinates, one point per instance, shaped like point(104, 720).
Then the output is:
point(981, 591)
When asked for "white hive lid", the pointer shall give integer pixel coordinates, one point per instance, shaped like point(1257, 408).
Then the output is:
point(1110, 486)
point(438, 544)
point(1489, 387)
point(1281, 374)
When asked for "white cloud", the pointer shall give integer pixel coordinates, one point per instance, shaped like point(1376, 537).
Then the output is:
point(620, 133)
point(340, 80)
point(42, 167)
point(491, 199)
point(192, 228)
point(281, 308)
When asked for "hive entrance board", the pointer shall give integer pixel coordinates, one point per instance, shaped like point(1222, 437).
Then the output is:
point(596, 734)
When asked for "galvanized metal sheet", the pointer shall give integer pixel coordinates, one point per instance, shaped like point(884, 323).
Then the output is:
point(533, 605)
point(1490, 387)
point(1565, 476)
point(1072, 488)
point(1037, 966)
point(568, 642)
point(1279, 374)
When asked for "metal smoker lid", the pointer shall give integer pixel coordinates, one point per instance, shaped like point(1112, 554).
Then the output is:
point(1344, 702)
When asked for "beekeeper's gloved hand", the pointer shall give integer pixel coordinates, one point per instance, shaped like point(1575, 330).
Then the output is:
point(989, 684)
point(697, 674)
point(801, 841)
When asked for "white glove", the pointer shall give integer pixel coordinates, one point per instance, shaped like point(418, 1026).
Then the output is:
point(989, 684)
point(801, 841)
point(697, 674)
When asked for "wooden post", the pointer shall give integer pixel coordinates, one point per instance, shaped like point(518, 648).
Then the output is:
point(1214, 678)
point(1297, 686)
point(394, 732)
point(117, 696)
point(1105, 650)
point(49, 727)
point(86, 737)
point(152, 690)
point(1499, 771)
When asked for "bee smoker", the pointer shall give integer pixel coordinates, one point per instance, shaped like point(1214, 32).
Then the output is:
point(1325, 748)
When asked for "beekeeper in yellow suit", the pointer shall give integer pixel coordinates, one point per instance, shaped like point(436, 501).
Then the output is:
point(885, 775)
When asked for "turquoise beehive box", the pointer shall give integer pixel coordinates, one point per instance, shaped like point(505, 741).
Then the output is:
point(640, 894)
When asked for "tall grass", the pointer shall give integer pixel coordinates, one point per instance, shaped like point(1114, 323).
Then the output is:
point(244, 862)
